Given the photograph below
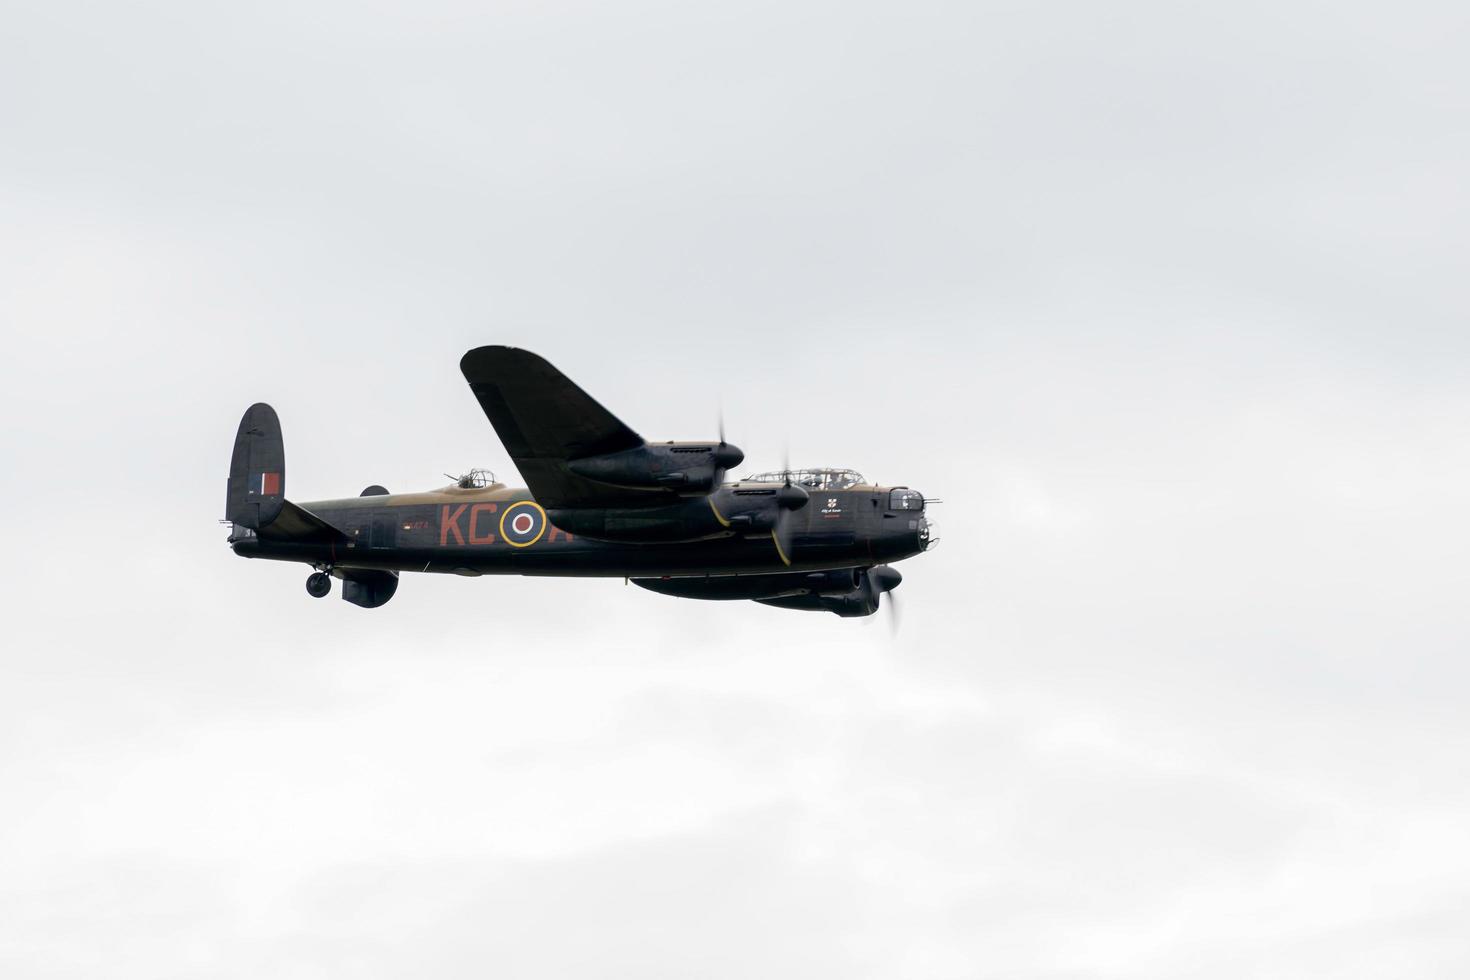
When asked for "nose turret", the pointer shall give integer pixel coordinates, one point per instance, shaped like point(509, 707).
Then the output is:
point(928, 534)
point(904, 527)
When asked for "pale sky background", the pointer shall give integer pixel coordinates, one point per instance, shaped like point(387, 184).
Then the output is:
point(1167, 301)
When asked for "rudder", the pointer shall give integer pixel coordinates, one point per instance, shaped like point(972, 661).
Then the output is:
point(257, 486)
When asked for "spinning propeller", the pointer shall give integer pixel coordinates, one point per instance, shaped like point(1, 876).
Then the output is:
point(881, 579)
point(726, 457)
point(788, 499)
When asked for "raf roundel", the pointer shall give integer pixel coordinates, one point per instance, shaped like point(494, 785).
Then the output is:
point(522, 524)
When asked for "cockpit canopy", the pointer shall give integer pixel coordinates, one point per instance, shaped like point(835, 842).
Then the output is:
point(821, 478)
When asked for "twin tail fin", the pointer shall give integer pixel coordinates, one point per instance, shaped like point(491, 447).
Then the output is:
point(255, 497)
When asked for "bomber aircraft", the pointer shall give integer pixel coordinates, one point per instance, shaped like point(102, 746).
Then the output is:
point(599, 500)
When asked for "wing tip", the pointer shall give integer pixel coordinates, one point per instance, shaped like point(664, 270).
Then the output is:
point(478, 363)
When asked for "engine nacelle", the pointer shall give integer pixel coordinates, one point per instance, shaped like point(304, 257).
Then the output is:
point(722, 514)
point(804, 585)
point(862, 599)
point(858, 602)
point(687, 468)
point(690, 520)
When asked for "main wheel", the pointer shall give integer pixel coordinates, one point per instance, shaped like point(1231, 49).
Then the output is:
point(318, 584)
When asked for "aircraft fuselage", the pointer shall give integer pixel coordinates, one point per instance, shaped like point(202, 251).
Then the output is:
point(503, 531)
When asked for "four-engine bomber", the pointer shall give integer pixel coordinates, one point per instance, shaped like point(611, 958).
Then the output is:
point(599, 501)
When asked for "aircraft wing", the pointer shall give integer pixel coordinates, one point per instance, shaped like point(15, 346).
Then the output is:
point(546, 421)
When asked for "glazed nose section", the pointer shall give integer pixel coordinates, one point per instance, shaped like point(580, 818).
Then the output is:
point(916, 531)
point(928, 534)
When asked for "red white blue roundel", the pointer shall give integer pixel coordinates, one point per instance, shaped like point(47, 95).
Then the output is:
point(523, 523)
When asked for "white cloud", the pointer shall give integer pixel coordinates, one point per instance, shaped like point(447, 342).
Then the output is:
point(1164, 302)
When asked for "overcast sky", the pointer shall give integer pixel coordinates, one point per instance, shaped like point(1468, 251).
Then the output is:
point(1168, 302)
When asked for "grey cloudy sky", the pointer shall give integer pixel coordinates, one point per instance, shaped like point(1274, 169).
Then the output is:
point(1166, 301)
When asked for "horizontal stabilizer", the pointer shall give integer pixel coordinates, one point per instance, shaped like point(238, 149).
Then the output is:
point(298, 525)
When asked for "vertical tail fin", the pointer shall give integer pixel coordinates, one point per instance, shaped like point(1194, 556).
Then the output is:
point(257, 487)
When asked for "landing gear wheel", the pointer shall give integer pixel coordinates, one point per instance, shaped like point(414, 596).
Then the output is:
point(318, 584)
